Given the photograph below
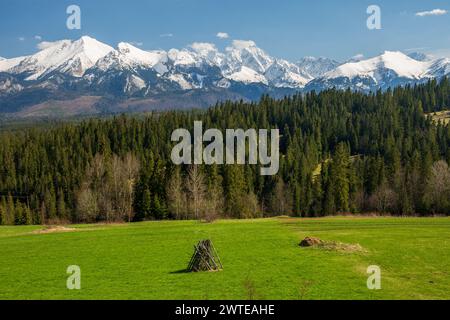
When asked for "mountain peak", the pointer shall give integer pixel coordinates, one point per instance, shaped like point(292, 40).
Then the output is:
point(390, 52)
point(394, 55)
point(129, 56)
point(65, 56)
point(182, 57)
point(246, 53)
point(87, 38)
point(395, 61)
point(86, 41)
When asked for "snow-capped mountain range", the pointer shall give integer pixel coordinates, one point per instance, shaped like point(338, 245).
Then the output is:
point(242, 62)
point(200, 73)
point(387, 70)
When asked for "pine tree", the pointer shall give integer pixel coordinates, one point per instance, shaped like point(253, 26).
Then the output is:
point(340, 177)
point(235, 190)
point(146, 206)
point(2, 211)
point(50, 204)
point(28, 215)
point(61, 208)
point(19, 217)
point(329, 199)
point(296, 194)
point(316, 207)
point(159, 210)
point(10, 211)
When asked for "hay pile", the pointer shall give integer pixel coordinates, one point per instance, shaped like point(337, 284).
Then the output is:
point(331, 245)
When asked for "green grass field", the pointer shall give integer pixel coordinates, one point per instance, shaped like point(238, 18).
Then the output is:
point(261, 258)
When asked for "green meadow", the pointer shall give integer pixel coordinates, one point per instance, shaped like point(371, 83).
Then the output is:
point(261, 259)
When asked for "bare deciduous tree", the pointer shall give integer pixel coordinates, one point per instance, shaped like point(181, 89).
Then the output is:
point(130, 171)
point(437, 192)
point(281, 202)
point(249, 206)
point(87, 204)
point(108, 189)
point(195, 186)
point(214, 203)
point(193, 198)
point(176, 196)
point(384, 199)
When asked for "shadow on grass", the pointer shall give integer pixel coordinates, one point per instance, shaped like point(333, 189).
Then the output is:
point(180, 271)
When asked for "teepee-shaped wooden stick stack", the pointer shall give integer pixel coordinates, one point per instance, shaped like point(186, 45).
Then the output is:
point(205, 258)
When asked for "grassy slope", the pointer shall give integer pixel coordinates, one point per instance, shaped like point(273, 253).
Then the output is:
point(443, 116)
point(143, 261)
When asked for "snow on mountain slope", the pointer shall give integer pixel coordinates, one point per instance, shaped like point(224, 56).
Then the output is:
point(317, 67)
point(438, 68)
point(244, 62)
point(181, 81)
point(247, 75)
point(283, 74)
point(246, 54)
point(9, 85)
point(183, 57)
point(209, 53)
point(65, 56)
point(401, 64)
point(420, 56)
point(129, 57)
point(133, 84)
point(8, 64)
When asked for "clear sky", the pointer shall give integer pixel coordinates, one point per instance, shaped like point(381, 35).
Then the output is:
point(288, 29)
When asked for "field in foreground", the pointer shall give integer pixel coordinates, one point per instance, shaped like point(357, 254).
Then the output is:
point(261, 258)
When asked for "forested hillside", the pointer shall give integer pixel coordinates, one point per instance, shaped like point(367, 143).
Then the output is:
point(341, 152)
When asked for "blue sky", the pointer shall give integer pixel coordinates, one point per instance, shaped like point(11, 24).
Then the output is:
point(289, 29)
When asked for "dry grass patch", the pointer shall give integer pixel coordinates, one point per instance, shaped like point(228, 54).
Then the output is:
point(54, 229)
point(341, 247)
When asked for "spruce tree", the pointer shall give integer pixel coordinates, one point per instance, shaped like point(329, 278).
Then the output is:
point(146, 206)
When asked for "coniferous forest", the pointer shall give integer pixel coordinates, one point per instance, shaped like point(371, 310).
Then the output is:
point(340, 152)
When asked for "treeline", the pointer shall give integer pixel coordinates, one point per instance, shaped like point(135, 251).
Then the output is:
point(341, 152)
